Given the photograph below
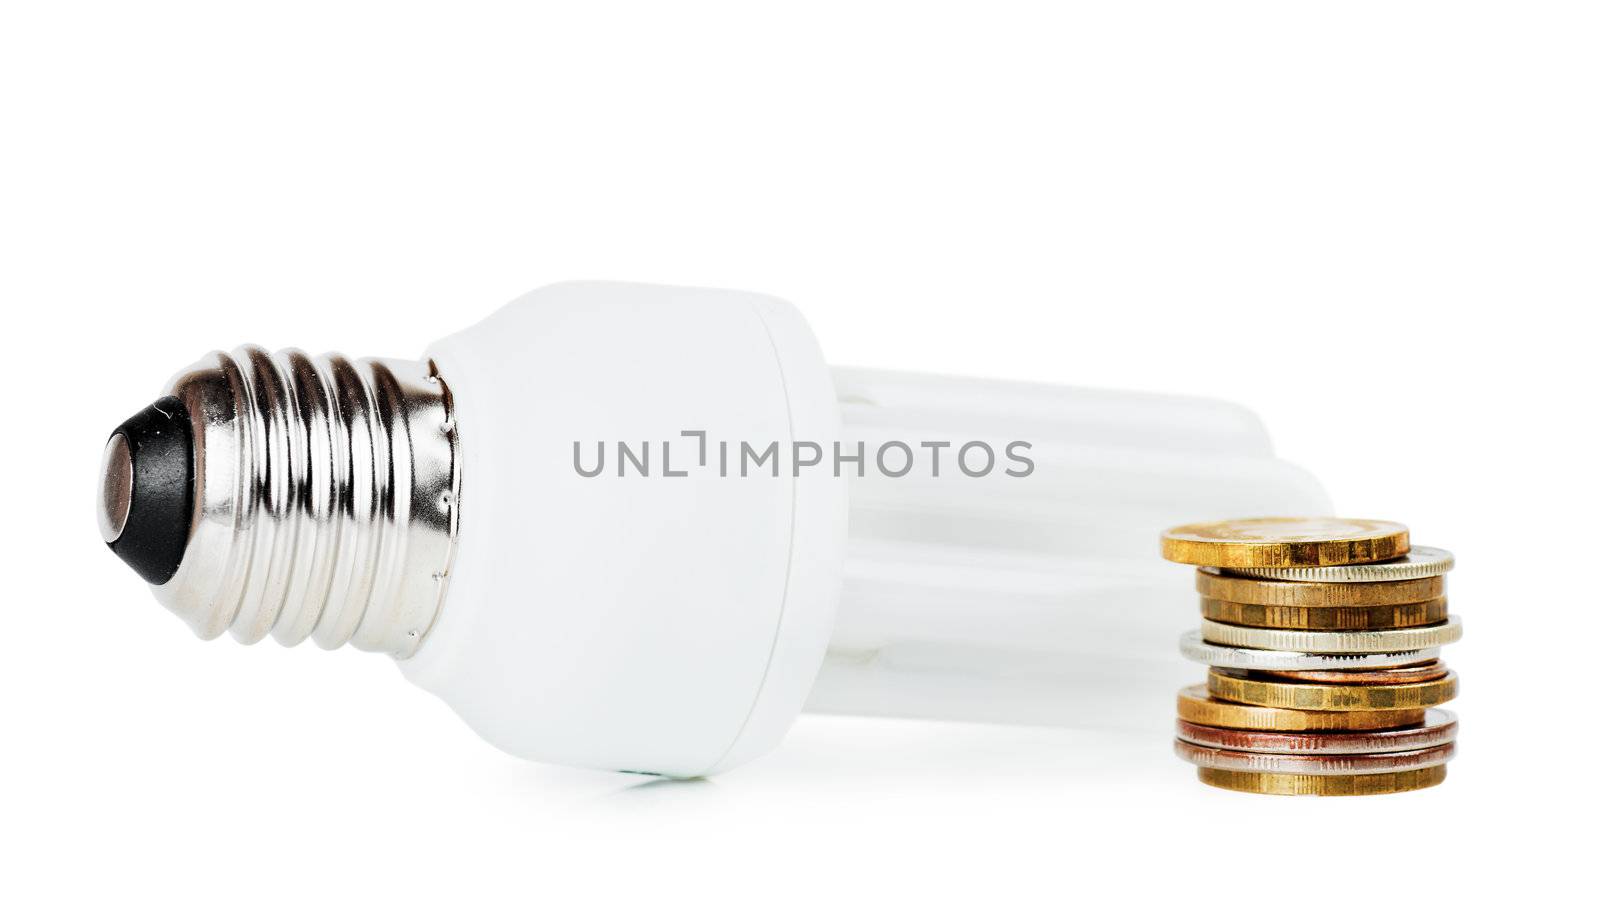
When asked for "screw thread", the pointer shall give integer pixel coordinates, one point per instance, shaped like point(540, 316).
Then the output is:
point(329, 509)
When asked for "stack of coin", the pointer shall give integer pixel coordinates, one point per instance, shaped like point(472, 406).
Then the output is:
point(1322, 636)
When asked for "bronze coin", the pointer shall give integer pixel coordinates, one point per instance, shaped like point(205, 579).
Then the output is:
point(1196, 706)
point(1242, 687)
point(1279, 783)
point(1326, 618)
point(1284, 542)
point(1214, 583)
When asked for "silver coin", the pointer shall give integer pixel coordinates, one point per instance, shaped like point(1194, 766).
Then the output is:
point(1195, 648)
point(1313, 764)
point(1396, 640)
point(1421, 561)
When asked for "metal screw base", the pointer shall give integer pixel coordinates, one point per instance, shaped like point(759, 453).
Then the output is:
point(325, 501)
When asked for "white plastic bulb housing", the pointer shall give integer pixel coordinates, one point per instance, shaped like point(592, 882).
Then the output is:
point(642, 528)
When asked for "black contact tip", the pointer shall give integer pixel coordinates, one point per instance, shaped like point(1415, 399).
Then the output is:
point(147, 490)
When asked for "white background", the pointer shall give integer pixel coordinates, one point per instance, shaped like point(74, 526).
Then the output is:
point(1374, 223)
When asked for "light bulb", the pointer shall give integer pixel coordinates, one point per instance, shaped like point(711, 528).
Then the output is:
point(605, 526)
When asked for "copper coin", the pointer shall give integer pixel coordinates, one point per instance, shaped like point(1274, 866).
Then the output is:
point(1313, 764)
point(1438, 727)
point(1426, 672)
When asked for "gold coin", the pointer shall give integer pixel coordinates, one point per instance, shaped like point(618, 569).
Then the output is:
point(1278, 783)
point(1326, 618)
point(1280, 542)
point(1240, 687)
point(1214, 584)
point(1195, 705)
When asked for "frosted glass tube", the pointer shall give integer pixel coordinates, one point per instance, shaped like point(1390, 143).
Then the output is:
point(1039, 599)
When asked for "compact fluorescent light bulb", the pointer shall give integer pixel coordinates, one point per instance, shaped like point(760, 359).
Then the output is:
point(641, 528)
